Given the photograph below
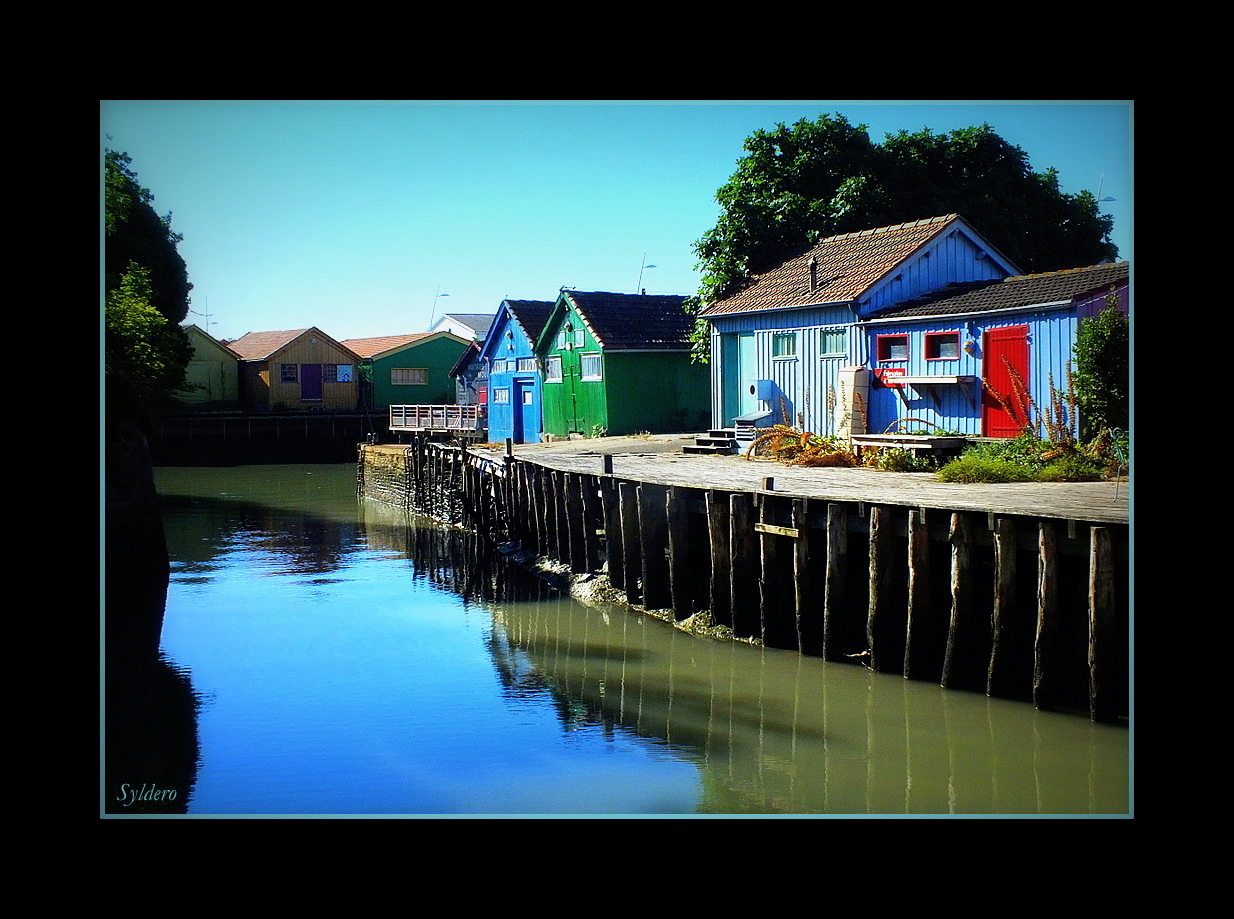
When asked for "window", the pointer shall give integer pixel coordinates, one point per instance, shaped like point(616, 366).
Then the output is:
point(499, 365)
point(552, 370)
point(288, 374)
point(409, 376)
point(892, 347)
point(784, 345)
point(501, 396)
point(942, 346)
point(833, 341)
point(336, 373)
point(591, 367)
point(527, 364)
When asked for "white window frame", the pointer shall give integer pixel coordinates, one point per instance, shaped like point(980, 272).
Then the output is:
point(596, 359)
point(552, 370)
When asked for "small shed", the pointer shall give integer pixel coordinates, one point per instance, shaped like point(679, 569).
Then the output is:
point(980, 357)
point(408, 369)
point(792, 344)
point(620, 364)
point(509, 352)
point(213, 371)
point(296, 370)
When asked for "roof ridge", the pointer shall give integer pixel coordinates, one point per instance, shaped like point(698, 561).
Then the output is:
point(924, 221)
point(1059, 271)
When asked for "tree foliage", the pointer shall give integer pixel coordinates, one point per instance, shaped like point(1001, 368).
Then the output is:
point(797, 185)
point(146, 293)
point(1102, 377)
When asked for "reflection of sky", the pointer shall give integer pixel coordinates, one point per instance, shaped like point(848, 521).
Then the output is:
point(370, 691)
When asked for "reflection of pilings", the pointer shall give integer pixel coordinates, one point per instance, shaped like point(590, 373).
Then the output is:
point(772, 732)
point(1032, 609)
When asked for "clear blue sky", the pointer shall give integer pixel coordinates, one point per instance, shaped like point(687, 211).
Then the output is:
point(351, 215)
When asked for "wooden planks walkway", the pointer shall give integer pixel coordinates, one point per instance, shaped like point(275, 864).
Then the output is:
point(659, 460)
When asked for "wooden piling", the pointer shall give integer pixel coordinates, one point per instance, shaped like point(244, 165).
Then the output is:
point(998, 674)
point(743, 551)
point(1044, 652)
point(631, 543)
point(721, 567)
point(1106, 685)
point(960, 632)
point(653, 536)
point(918, 612)
point(834, 579)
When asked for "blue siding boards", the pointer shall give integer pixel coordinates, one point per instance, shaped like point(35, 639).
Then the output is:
point(1030, 319)
point(514, 386)
point(790, 335)
point(921, 319)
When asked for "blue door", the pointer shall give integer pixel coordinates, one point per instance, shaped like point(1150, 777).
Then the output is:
point(526, 412)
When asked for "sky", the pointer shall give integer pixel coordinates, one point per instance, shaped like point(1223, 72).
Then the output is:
point(367, 218)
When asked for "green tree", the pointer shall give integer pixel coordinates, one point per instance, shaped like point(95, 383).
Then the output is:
point(1102, 377)
point(146, 290)
point(820, 178)
point(145, 355)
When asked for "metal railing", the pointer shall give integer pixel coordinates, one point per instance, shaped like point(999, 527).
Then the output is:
point(433, 417)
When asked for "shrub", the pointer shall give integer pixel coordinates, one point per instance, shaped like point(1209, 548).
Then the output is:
point(975, 467)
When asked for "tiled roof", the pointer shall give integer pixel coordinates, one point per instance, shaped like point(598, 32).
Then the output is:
point(368, 347)
point(531, 315)
point(846, 266)
point(256, 346)
point(635, 321)
point(1010, 293)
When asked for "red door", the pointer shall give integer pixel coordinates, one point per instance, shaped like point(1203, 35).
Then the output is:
point(1006, 373)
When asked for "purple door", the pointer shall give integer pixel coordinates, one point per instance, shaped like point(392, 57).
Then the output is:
point(310, 382)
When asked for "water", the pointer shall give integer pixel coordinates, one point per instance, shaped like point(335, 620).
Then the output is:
point(349, 661)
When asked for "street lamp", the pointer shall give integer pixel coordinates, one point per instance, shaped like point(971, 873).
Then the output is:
point(639, 289)
point(433, 314)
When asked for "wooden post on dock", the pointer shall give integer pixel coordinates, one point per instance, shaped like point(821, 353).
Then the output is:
point(1044, 656)
point(803, 578)
point(677, 522)
point(918, 615)
point(1004, 612)
point(653, 535)
point(721, 558)
point(880, 580)
point(743, 550)
point(1105, 652)
point(613, 550)
point(632, 554)
point(834, 578)
point(575, 529)
point(960, 640)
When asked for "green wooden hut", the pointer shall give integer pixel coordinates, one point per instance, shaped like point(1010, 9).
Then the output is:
point(412, 369)
point(620, 364)
point(214, 370)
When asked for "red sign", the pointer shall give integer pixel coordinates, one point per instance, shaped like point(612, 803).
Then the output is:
point(888, 375)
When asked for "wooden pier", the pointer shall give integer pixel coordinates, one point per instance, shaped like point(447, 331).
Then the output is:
point(1018, 591)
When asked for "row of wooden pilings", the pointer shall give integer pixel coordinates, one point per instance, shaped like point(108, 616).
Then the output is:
point(1034, 609)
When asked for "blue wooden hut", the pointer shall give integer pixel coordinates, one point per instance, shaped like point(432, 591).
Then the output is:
point(963, 357)
point(792, 345)
point(514, 390)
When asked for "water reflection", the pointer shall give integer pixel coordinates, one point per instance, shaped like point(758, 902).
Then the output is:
point(376, 630)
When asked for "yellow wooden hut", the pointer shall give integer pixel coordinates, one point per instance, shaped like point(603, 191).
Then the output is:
point(296, 370)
